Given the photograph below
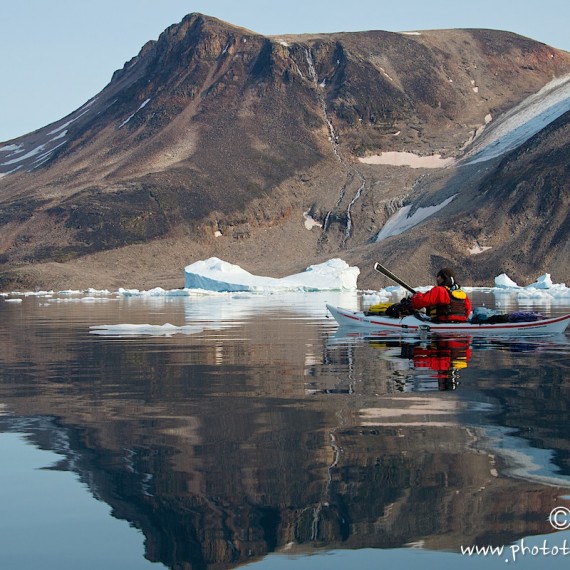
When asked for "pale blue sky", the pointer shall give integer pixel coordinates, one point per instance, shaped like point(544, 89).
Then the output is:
point(57, 54)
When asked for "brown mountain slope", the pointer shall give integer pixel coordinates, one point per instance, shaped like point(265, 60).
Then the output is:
point(528, 198)
point(214, 130)
point(509, 215)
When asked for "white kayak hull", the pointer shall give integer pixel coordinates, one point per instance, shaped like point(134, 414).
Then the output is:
point(413, 324)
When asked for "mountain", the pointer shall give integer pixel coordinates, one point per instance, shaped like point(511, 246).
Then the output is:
point(215, 140)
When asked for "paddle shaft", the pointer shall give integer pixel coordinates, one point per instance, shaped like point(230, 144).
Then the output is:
point(390, 275)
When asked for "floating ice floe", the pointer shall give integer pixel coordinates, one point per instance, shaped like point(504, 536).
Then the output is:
point(154, 292)
point(135, 330)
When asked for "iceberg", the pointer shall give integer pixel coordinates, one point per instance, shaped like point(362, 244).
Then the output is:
point(503, 281)
point(214, 274)
point(543, 282)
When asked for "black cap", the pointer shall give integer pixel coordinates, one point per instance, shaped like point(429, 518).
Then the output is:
point(448, 276)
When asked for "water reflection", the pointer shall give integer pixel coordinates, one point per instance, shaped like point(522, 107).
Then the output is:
point(270, 432)
point(418, 364)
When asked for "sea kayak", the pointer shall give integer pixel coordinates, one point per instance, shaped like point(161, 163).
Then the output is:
point(413, 323)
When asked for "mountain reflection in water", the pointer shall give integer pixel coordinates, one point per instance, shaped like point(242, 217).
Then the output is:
point(261, 428)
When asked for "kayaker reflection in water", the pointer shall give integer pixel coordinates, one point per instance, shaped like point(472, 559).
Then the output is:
point(446, 302)
point(446, 357)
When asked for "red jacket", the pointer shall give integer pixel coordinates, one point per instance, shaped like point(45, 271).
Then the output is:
point(439, 296)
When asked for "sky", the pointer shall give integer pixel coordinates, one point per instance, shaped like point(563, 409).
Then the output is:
point(57, 54)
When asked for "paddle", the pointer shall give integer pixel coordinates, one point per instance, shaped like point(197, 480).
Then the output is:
point(390, 275)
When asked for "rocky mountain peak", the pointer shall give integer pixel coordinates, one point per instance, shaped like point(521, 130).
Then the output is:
point(215, 130)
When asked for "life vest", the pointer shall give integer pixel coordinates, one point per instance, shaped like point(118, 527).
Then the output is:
point(456, 310)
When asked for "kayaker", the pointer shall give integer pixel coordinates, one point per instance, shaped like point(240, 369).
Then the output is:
point(446, 302)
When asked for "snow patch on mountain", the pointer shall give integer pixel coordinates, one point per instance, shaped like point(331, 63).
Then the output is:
point(402, 221)
point(521, 122)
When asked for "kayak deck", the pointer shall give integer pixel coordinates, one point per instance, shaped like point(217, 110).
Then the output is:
point(412, 323)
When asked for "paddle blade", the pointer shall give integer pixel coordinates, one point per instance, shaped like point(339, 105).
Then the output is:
point(390, 275)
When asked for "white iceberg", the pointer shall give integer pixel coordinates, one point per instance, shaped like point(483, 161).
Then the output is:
point(213, 274)
point(543, 282)
point(503, 281)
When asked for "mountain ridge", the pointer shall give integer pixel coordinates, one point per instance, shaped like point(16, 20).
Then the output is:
point(214, 130)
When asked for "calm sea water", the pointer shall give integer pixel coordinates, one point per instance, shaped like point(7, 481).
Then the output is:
point(250, 431)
